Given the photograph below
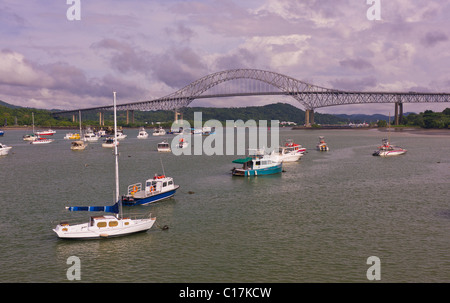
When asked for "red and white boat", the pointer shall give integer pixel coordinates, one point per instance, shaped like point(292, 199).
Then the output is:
point(294, 146)
point(48, 132)
point(40, 140)
point(386, 150)
point(290, 152)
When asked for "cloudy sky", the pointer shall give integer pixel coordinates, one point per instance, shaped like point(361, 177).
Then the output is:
point(146, 49)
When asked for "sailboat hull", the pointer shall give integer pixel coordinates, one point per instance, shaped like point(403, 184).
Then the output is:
point(103, 227)
point(150, 199)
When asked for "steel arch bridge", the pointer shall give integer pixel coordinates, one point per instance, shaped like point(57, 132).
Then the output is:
point(308, 95)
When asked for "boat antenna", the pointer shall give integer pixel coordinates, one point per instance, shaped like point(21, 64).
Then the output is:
point(164, 173)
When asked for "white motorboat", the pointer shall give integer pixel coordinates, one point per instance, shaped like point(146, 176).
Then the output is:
point(156, 189)
point(286, 154)
point(159, 131)
point(107, 225)
point(40, 140)
point(322, 145)
point(110, 142)
point(4, 150)
point(90, 136)
point(386, 150)
point(142, 133)
point(164, 147)
point(120, 135)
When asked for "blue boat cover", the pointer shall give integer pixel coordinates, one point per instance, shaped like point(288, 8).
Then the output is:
point(109, 209)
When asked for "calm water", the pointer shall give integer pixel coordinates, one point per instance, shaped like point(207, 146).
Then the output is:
point(318, 221)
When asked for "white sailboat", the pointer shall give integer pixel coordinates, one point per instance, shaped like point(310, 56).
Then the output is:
point(106, 225)
point(80, 144)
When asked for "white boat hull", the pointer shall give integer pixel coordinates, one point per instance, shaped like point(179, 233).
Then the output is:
point(5, 150)
point(124, 226)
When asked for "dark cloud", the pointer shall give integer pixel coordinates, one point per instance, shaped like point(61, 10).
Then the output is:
point(125, 58)
point(358, 64)
point(432, 38)
point(354, 84)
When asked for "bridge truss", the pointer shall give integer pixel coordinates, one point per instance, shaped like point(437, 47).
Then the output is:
point(308, 95)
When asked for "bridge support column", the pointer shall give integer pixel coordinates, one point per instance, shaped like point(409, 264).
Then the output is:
point(398, 113)
point(100, 119)
point(74, 118)
point(309, 117)
point(132, 116)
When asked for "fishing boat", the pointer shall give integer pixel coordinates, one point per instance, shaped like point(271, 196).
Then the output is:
point(182, 143)
point(106, 225)
point(322, 145)
point(142, 133)
point(110, 142)
point(90, 136)
point(386, 150)
point(296, 147)
point(164, 146)
point(156, 189)
point(286, 154)
point(102, 133)
point(256, 164)
point(159, 131)
point(120, 135)
point(48, 132)
point(78, 145)
point(72, 136)
point(40, 140)
point(4, 150)
point(2, 133)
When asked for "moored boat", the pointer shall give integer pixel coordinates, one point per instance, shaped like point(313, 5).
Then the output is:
point(142, 133)
point(164, 146)
point(257, 164)
point(159, 131)
point(386, 150)
point(40, 140)
point(322, 145)
point(110, 142)
point(4, 150)
point(78, 145)
point(182, 143)
point(90, 136)
point(72, 136)
point(156, 189)
point(107, 225)
point(48, 132)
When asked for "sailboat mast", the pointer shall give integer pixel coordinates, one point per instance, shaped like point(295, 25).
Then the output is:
point(79, 118)
point(116, 155)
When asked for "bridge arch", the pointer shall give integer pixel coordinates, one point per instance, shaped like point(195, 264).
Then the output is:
point(301, 91)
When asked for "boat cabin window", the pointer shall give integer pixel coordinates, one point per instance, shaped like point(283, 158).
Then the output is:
point(164, 184)
point(170, 182)
point(101, 224)
point(113, 223)
point(258, 163)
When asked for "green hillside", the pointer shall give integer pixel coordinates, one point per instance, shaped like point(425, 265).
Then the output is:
point(12, 115)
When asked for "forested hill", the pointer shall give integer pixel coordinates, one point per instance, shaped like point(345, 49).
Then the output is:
point(14, 115)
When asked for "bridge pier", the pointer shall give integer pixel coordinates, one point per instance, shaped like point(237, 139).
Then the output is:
point(309, 117)
point(132, 116)
point(398, 113)
point(101, 121)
